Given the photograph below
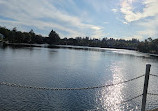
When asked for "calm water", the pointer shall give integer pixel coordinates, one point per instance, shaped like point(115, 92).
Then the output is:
point(72, 68)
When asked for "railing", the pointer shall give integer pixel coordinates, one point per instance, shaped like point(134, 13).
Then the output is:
point(144, 94)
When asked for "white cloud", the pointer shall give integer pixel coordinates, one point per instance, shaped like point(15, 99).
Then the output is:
point(98, 5)
point(29, 12)
point(125, 22)
point(150, 9)
point(146, 19)
point(98, 34)
point(96, 28)
point(115, 10)
point(149, 33)
point(149, 27)
point(136, 36)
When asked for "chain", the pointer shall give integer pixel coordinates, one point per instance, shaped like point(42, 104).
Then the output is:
point(154, 75)
point(131, 99)
point(84, 88)
point(112, 106)
point(152, 94)
point(127, 80)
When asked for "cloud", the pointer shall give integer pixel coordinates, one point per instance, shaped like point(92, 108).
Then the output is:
point(99, 34)
point(96, 28)
point(136, 36)
point(145, 15)
point(149, 33)
point(125, 22)
point(149, 27)
point(150, 9)
point(98, 5)
point(29, 13)
point(115, 10)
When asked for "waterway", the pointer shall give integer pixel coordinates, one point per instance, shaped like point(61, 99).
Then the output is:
point(74, 68)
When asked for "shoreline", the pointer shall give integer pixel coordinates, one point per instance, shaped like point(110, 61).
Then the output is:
point(67, 46)
point(57, 46)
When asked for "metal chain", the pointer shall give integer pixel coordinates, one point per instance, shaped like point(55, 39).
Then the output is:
point(152, 94)
point(84, 88)
point(112, 106)
point(154, 75)
point(128, 80)
point(131, 99)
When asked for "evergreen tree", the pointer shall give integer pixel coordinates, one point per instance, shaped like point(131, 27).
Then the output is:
point(53, 38)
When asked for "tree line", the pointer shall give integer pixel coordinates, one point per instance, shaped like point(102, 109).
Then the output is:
point(14, 36)
point(148, 46)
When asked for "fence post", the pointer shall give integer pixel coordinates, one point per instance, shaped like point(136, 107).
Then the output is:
point(146, 81)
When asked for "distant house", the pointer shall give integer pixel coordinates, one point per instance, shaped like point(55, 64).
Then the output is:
point(1, 36)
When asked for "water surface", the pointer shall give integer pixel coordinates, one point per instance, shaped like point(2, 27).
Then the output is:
point(74, 68)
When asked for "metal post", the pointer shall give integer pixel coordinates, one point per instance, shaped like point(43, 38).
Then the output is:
point(146, 81)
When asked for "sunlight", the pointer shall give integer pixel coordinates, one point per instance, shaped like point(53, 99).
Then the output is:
point(112, 96)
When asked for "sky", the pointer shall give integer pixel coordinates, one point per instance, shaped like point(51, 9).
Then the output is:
point(119, 19)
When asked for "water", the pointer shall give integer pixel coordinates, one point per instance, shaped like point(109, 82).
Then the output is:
point(74, 68)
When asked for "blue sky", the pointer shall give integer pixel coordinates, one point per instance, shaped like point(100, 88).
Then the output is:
point(124, 19)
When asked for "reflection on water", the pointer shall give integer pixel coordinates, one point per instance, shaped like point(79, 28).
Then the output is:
point(70, 68)
point(112, 96)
